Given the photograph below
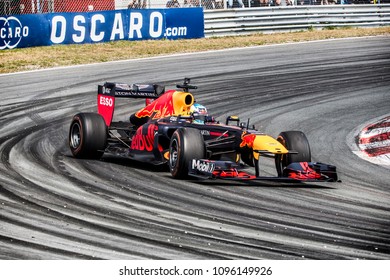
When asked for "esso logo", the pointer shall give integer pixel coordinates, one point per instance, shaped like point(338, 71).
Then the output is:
point(11, 32)
point(106, 101)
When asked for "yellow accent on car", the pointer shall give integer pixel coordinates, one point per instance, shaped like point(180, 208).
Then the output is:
point(182, 102)
point(268, 144)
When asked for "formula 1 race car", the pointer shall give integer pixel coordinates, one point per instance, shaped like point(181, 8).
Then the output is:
point(165, 131)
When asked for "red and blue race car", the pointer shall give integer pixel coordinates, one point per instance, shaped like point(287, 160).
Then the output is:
point(167, 131)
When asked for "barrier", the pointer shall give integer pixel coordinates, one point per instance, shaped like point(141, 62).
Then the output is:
point(293, 18)
point(373, 142)
point(21, 31)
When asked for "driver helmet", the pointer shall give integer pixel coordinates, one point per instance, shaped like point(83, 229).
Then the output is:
point(199, 112)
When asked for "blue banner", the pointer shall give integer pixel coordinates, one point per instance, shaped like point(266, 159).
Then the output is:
point(193, 19)
point(96, 27)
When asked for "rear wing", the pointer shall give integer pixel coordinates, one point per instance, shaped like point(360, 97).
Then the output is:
point(109, 91)
point(131, 90)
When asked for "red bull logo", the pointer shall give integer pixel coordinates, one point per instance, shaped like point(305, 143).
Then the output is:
point(143, 140)
point(247, 140)
point(171, 103)
point(161, 107)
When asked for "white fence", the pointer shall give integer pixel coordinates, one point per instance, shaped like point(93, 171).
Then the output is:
point(293, 18)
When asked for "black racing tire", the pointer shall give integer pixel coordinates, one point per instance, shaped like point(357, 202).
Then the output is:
point(88, 136)
point(293, 141)
point(186, 144)
point(247, 157)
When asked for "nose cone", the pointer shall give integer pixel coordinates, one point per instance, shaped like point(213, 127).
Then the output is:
point(268, 144)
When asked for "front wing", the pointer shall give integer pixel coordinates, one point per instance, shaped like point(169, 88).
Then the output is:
point(295, 172)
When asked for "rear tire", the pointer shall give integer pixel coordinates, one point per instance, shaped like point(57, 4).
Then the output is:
point(186, 144)
point(88, 136)
point(293, 141)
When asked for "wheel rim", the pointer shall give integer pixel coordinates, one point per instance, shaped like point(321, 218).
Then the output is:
point(173, 154)
point(75, 136)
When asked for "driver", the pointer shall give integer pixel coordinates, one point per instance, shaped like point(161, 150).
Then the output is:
point(199, 113)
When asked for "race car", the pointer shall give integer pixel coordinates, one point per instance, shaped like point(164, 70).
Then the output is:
point(166, 131)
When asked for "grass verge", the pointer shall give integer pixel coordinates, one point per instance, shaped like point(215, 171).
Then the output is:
point(17, 60)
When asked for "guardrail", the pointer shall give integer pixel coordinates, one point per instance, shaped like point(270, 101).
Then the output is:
point(293, 18)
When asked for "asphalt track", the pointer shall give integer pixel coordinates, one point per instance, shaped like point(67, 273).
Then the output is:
point(53, 206)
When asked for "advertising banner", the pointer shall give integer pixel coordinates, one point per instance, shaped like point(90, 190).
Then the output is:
point(22, 31)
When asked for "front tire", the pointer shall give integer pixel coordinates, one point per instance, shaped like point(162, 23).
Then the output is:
point(87, 136)
point(293, 141)
point(186, 144)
